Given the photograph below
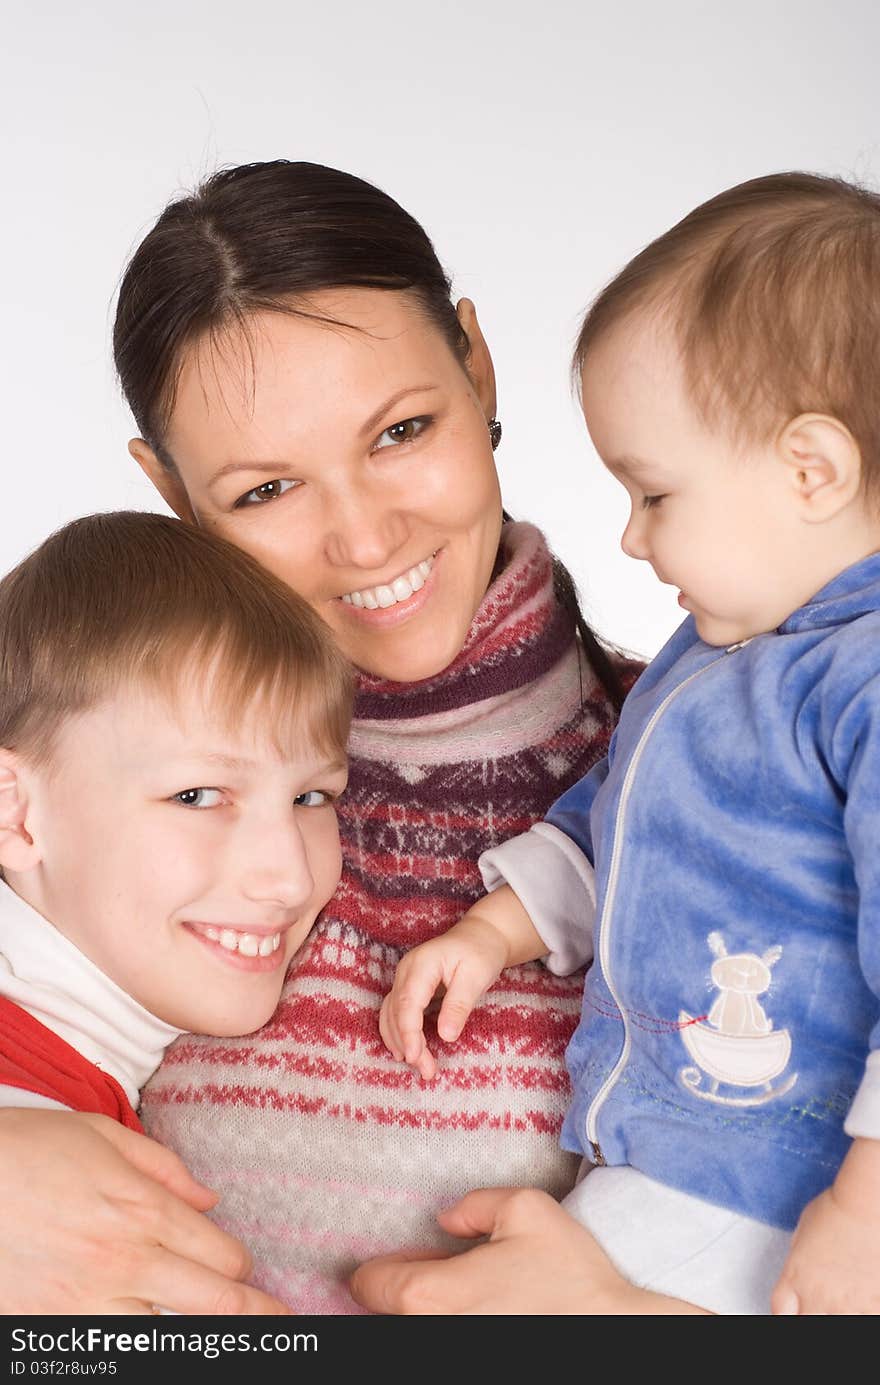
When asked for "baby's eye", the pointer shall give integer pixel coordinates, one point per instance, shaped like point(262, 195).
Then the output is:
point(649, 502)
point(313, 798)
point(199, 798)
point(269, 490)
point(406, 431)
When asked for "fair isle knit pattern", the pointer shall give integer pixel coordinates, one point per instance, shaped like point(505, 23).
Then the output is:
point(325, 1151)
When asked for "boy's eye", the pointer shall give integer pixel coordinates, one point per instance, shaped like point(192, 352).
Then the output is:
point(269, 490)
point(649, 502)
point(198, 798)
point(406, 431)
point(313, 798)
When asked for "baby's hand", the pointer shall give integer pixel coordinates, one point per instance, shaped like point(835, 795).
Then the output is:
point(466, 961)
point(833, 1266)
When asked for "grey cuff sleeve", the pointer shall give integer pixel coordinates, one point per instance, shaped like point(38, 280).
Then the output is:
point(864, 1114)
point(555, 884)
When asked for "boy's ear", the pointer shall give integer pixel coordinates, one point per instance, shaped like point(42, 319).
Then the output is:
point(18, 851)
point(824, 462)
point(479, 362)
point(167, 483)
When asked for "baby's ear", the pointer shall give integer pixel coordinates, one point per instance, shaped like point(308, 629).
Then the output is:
point(18, 851)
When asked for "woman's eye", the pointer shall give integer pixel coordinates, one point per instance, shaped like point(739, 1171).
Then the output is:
point(405, 431)
point(199, 798)
point(649, 502)
point(269, 490)
point(313, 798)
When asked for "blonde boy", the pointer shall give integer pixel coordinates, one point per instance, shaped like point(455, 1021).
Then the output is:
point(172, 739)
point(722, 866)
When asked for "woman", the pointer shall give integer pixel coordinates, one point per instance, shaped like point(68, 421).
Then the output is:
point(304, 387)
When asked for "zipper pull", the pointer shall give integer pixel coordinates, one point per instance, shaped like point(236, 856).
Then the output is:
point(598, 1156)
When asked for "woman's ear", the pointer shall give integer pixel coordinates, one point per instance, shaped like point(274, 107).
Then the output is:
point(479, 362)
point(167, 482)
point(18, 850)
point(824, 463)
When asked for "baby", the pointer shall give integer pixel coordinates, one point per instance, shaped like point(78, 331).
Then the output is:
point(721, 867)
point(173, 723)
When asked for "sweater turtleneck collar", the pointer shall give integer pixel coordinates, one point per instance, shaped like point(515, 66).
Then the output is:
point(518, 632)
point(46, 975)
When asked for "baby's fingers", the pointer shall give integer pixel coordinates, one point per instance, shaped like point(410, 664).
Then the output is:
point(402, 1013)
point(464, 989)
point(413, 1049)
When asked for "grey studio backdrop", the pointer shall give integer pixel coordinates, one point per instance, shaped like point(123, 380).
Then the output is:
point(540, 144)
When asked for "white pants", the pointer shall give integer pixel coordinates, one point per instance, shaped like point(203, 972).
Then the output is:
point(667, 1241)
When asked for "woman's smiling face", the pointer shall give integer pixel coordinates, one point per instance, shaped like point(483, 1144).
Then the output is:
point(351, 458)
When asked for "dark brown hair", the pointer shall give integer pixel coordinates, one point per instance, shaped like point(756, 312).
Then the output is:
point(772, 289)
point(263, 237)
point(128, 598)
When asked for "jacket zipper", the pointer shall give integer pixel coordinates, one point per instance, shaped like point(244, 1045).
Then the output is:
point(604, 932)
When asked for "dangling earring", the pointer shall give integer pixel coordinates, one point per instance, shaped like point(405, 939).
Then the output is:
point(494, 433)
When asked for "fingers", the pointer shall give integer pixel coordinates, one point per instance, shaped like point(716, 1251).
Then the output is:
point(489, 1211)
point(464, 988)
point(155, 1162)
point(402, 1014)
point(407, 1282)
point(182, 1286)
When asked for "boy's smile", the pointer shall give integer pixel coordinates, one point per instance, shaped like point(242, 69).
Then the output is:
point(187, 861)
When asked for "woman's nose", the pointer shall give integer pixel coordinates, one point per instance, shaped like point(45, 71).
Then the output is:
point(364, 532)
point(273, 863)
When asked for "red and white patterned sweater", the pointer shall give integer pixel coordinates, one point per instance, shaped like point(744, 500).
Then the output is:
point(325, 1151)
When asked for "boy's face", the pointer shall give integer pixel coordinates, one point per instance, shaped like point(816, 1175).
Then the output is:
point(713, 520)
point(186, 861)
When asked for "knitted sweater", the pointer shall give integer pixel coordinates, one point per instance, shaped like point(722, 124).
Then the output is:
point(325, 1151)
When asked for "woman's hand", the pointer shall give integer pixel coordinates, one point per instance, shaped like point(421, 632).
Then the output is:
point(466, 961)
point(833, 1266)
point(537, 1261)
point(98, 1219)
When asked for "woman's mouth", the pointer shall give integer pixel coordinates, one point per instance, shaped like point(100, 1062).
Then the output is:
point(389, 603)
point(392, 593)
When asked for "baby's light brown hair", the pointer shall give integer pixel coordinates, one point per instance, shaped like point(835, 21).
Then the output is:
point(127, 598)
point(772, 290)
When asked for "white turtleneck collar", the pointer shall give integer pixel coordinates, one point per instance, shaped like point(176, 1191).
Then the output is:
point(56, 983)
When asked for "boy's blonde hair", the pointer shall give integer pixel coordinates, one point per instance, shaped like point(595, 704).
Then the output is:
point(122, 598)
point(773, 291)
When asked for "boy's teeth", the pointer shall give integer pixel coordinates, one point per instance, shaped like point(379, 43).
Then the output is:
point(248, 944)
point(401, 589)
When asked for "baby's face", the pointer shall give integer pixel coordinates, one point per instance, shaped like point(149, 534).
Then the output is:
point(188, 863)
point(713, 520)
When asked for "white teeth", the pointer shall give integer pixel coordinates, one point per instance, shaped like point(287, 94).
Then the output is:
point(247, 944)
point(401, 589)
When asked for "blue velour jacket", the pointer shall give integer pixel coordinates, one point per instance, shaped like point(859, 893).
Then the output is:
point(735, 832)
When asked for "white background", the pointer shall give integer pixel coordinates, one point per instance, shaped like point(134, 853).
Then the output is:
point(541, 145)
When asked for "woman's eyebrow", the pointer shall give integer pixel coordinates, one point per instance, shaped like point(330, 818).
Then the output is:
point(274, 467)
point(376, 417)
